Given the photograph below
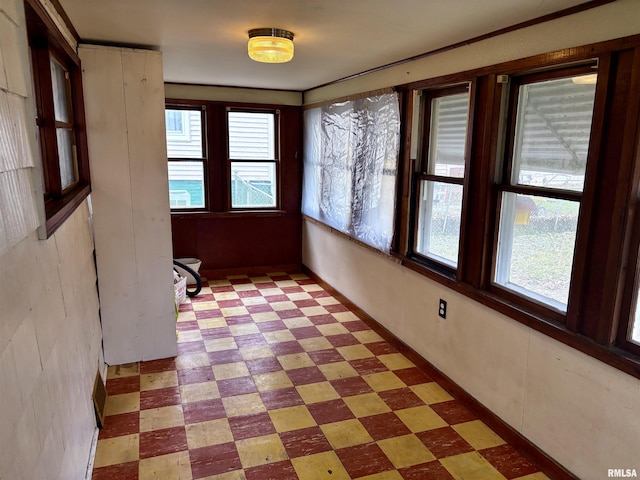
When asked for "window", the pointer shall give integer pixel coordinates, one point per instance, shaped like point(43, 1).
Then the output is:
point(439, 184)
point(541, 158)
point(59, 119)
point(187, 158)
point(628, 335)
point(253, 159)
point(350, 165)
point(67, 156)
point(226, 158)
point(541, 185)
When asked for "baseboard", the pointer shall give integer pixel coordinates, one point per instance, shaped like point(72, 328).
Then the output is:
point(261, 270)
point(527, 449)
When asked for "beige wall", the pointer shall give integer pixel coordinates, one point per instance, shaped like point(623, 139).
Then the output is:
point(49, 324)
point(582, 412)
point(228, 94)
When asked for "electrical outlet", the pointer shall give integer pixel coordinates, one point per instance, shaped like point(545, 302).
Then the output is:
point(442, 308)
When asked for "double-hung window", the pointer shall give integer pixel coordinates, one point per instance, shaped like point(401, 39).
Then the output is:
point(439, 183)
point(524, 194)
point(187, 155)
point(252, 158)
point(628, 334)
point(64, 173)
point(222, 158)
point(541, 182)
point(59, 120)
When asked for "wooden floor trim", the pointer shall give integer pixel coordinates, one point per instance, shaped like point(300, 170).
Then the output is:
point(251, 271)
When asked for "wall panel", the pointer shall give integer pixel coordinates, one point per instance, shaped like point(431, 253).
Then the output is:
point(50, 333)
point(229, 240)
point(124, 102)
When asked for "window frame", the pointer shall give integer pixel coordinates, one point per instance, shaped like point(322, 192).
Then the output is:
point(46, 43)
point(606, 256)
point(630, 293)
point(421, 172)
point(275, 161)
point(333, 199)
point(504, 184)
point(217, 176)
point(630, 281)
point(205, 153)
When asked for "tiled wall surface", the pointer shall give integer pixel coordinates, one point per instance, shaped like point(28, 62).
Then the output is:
point(49, 324)
point(49, 354)
point(18, 214)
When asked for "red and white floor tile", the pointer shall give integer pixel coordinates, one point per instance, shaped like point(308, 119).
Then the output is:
point(275, 379)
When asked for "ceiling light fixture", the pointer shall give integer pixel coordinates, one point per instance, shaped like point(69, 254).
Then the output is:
point(270, 45)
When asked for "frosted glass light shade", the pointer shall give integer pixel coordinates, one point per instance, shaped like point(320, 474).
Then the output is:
point(270, 45)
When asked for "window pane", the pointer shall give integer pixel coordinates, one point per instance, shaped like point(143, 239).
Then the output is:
point(184, 133)
point(251, 136)
point(253, 184)
point(449, 117)
point(439, 221)
point(186, 184)
point(66, 158)
point(535, 247)
point(173, 121)
point(634, 331)
point(552, 133)
point(634, 335)
point(61, 100)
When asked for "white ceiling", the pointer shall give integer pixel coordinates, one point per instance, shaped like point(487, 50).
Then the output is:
point(205, 41)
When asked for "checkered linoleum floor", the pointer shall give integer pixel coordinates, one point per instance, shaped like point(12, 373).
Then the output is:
point(276, 379)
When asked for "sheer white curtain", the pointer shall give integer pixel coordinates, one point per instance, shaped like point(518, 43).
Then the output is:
point(350, 163)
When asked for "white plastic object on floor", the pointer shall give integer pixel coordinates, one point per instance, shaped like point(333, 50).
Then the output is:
point(193, 264)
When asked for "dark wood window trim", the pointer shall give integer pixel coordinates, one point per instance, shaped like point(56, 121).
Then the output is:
point(629, 277)
point(602, 292)
point(231, 214)
point(218, 171)
point(349, 238)
point(503, 184)
point(630, 292)
point(204, 158)
point(420, 173)
point(46, 42)
point(275, 161)
point(65, 18)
